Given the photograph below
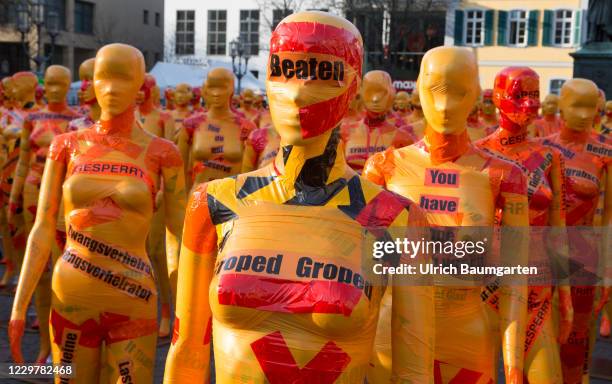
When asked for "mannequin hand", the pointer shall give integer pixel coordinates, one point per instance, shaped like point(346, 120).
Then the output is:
point(514, 375)
point(15, 333)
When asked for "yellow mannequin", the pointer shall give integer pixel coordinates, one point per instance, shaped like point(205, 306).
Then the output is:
point(90, 103)
point(263, 332)
point(247, 98)
point(109, 175)
point(550, 122)
point(417, 119)
point(606, 123)
point(181, 98)
point(379, 128)
point(214, 142)
point(465, 341)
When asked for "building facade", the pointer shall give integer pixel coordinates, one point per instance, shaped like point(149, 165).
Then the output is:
point(199, 30)
point(84, 26)
point(538, 33)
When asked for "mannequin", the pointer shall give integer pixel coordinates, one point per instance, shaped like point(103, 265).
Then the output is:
point(488, 113)
point(476, 128)
point(247, 98)
point(549, 123)
point(196, 101)
point(266, 329)
point(169, 96)
point(39, 97)
point(378, 130)
point(182, 97)
point(160, 124)
point(90, 103)
point(448, 86)
point(261, 146)
point(109, 175)
point(583, 155)
point(417, 120)
point(23, 85)
point(516, 95)
point(214, 142)
point(606, 123)
point(39, 129)
point(401, 106)
point(601, 105)
point(155, 96)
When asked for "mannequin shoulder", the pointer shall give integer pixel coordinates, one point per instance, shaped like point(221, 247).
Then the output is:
point(164, 150)
point(600, 146)
point(62, 145)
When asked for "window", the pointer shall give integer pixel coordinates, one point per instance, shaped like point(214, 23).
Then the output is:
point(278, 15)
point(555, 86)
point(157, 19)
point(8, 13)
point(185, 31)
point(249, 30)
point(517, 28)
point(217, 32)
point(563, 27)
point(474, 27)
point(58, 6)
point(83, 17)
point(145, 17)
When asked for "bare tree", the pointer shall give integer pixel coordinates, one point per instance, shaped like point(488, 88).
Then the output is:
point(284, 7)
point(105, 29)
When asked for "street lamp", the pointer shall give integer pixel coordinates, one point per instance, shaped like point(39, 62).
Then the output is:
point(237, 50)
point(32, 14)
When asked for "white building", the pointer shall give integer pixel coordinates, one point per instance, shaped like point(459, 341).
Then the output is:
point(196, 30)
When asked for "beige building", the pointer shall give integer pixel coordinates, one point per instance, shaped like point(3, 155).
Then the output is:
point(536, 33)
point(84, 26)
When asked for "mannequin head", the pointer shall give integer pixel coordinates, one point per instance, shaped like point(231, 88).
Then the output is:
point(39, 95)
point(2, 95)
point(258, 102)
point(516, 94)
point(155, 96)
point(247, 97)
point(7, 89)
point(24, 87)
point(182, 95)
point(486, 106)
point(415, 100)
point(314, 73)
point(219, 88)
point(601, 105)
point(402, 101)
point(169, 96)
point(144, 95)
point(377, 92)
point(448, 88)
point(57, 84)
point(119, 72)
point(356, 105)
point(197, 97)
point(578, 104)
point(609, 109)
point(550, 105)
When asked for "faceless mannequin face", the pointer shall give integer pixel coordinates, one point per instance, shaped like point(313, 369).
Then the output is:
point(377, 92)
point(578, 104)
point(24, 86)
point(118, 75)
point(219, 88)
point(145, 91)
point(550, 105)
point(487, 106)
point(517, 94)
point(182, 94)
point(402, 101)
point(313, 74)
point(448, 88)
point(246, 98)
point(57, 83)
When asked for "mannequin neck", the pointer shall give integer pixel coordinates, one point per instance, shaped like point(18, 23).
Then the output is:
point(57, 107)
point(373, 119)
point(119, 125)
point(510, 127)
point(247, 107)
point(313, 165)
point(219, 111)
point(550, 117)
point(184, 108)
point(444, 148)
point(146, 106)
point(568, 134)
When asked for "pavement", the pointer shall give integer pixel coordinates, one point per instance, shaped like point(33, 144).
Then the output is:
point(601, 372)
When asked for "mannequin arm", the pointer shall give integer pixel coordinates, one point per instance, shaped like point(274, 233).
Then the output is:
point(184, 146)
point(174, 199)
point(168, 128)
point(21, 171)
point(188, 357)
point(249, 157)
point(513, 296)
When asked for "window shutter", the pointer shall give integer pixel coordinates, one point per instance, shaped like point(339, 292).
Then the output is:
point(459, 27)
point(532, 28)
point(577, 27)
point(547, 29)
point(488, 37)
point(502, 25)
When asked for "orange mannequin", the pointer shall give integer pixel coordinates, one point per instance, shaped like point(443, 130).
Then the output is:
point(39, 96)
point(477, 190)
point(606, 123)
point(488, 113)
point(9, 258)
point(476, 128)
point(516, 95)
point(417, 120)
point(214, 142)
point(196, 101)
point(280, 325)
point(401, 106)
point(88, 97)
point(160, 124)
point(247, 98)
point(103, 285)
point(182, 97)
point(261, 146)
point(589, 202)
point(601, 105)
point(549, 122)
point(169, 96)
point(378, 129)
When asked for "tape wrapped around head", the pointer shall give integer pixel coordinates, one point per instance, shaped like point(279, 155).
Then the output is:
point(314, 72)
point(516, 93)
